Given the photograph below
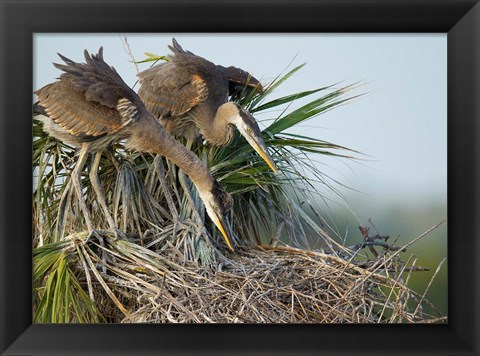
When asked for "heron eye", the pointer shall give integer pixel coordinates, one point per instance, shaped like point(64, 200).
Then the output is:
point(249, 130)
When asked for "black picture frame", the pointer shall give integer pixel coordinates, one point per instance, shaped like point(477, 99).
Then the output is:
point(21, 18)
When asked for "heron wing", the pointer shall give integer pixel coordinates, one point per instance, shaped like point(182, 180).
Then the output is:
point(97, 80)
point(171, 90)
point(177, 49)
point(238, 79)
point(68, 107)
point(90, 99)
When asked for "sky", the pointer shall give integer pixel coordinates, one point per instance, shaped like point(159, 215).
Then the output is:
point(400, 124)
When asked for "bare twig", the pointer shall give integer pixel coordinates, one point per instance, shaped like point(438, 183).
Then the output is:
point(127, 48)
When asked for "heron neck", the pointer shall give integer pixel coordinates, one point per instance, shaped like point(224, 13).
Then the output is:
point(212, 124)
point(217, 132)
point(151, 137)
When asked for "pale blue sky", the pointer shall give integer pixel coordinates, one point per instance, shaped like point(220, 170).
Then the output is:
point(401, 123)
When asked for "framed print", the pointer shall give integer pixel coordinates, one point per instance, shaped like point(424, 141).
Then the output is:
point(429, 49)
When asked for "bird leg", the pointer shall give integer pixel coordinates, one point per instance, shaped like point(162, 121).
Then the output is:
point(76, 181)
point(100, 192)
point(62, 208)
point(160, 169)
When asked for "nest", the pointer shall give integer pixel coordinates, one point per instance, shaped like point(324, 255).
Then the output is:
point(264, 284)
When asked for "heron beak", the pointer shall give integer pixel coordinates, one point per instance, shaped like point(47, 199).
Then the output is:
point(219, 221)
point(259, 145)
point(248, 128)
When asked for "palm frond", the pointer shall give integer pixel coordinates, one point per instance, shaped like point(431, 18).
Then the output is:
point(59, 291)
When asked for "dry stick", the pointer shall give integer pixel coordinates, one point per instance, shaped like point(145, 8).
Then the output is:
point(368, 274)
point(410, 243)
point(87, 275)
point(174, 278)
point(428, 287)
point(131, 277)
point(341, 261)
point(386, 246)
point(305, 312)
point(152, 288)
point(407, 280)
point(392, 289)
point(349, 262)
point(371, 223)
point(179, 305)
point(105, 286)
point(126, 46)
point(160, 169)
point(339, 297)
point(369, 242)
point(287, 290)
point(338, 260)
point(396, 284)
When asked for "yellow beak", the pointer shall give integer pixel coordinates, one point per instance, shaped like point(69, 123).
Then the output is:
point(220, 223)
point(263, 152)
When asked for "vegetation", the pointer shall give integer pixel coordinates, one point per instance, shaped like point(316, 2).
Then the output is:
point(173, 267)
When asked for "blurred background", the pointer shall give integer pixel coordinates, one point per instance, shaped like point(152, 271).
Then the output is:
point(400, 125)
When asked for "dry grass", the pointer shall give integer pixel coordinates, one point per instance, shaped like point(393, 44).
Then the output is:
point(265, 284)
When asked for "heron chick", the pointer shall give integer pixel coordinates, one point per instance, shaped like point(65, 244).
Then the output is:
point(90, 107)
point(189, 92)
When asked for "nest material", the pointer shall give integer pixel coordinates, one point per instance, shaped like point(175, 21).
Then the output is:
point(265, 284)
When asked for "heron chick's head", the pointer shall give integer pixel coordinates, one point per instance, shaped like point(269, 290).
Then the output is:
point(217, 203)
point(248, 128)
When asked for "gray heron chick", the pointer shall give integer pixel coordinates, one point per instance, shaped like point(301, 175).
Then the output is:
point(190, 92)
point(90, 107)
